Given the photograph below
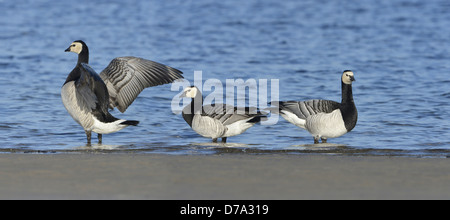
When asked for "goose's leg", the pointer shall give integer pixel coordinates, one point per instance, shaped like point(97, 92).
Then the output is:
point(224, 140)
point(214, 140)
point(316, 140)
point(324, 140)
point(88, 135)
point(100, 138)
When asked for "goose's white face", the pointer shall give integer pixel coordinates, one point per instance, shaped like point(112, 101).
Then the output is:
point(75, 47)
point(348, 77)
point(189, 92)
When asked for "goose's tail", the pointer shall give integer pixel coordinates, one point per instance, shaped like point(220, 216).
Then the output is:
point(130, 122)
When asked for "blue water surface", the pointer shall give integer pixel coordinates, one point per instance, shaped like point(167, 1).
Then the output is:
point(398, 49)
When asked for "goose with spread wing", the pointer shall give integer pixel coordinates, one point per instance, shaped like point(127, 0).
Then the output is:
point(88, 96)
point(217, 120)
point(324, 119)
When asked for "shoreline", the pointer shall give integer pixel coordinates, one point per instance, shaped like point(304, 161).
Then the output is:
point(230, 177)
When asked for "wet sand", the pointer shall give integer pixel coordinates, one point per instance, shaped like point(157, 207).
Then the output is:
point(241, 176)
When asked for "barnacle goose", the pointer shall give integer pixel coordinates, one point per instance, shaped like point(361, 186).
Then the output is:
point(87, 95)
point(323, 118)
point(217, 120)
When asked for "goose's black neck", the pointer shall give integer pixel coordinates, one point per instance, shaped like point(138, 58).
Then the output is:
point(347, 94)
point(83, 57)
point(348, 108)
point(195, 107)
point(197, 103)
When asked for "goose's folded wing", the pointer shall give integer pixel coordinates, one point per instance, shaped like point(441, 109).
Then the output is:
point(305, 109)
point(228, 114)
point(208, 127)
point(91, 92)
point(126, 77)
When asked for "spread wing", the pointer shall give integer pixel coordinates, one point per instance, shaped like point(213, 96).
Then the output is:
point(305, 109)
point(126, 77)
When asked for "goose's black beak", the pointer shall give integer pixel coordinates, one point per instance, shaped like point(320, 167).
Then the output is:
point(183, 95)
point(68, 49)
point(352, 78)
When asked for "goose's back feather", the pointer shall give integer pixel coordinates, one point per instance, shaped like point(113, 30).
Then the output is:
point(304, 109)
point(126, 77)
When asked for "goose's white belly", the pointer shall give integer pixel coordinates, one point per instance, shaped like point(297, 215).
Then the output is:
point(76, 108)
point(326, 125)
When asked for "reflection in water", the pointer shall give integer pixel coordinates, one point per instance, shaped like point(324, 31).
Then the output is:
point(100, 147)
point(318, 147)
point(218, 145)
